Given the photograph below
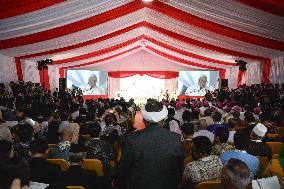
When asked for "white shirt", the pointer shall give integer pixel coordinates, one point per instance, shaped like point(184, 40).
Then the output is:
point(174, 127)
point(195, 90)
point(206, 133)
point(97, 90)
point(231, 136)
point(74, 115)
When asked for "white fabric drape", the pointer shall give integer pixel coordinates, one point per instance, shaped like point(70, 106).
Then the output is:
point(171, 84)
point(277, 70)
point(7, 69)
point(30, 72)
point(232, 76)
point(113, 85)
point(53, 74)
point(254, 73)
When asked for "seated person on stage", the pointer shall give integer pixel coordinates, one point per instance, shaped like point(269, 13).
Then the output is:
point(235, 175)
point(257, 147)
point(41, 170)
point(91, 88)
point(242, 141)
point(198, 89)
point(204, 167)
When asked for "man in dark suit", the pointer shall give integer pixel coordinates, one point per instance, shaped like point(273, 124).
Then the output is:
point(41, 170)
point(153, 157)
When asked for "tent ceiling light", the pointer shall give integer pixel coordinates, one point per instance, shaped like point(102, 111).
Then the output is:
point(147, 0)
point(143, 44)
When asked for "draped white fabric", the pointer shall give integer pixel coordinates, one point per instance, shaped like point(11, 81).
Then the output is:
point(232, 76)
point(235, 15)
point(113, 85)
point(253, 73)
point(277, 71)
point(30, 72)
point(53, 73)
point(8, 69)
point(55, 16)
point(150, 16)
point(171, 84)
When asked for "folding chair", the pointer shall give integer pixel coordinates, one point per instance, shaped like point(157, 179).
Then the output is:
point(93, 165)
point(61, 162)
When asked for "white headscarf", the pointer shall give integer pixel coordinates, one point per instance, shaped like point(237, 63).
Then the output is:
point(154, 116)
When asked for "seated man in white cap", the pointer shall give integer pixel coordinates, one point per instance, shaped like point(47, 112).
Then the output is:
point(257, 147)
point(152, 157)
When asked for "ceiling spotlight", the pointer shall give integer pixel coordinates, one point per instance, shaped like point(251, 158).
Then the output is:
point(143, 44)
point(147, 0)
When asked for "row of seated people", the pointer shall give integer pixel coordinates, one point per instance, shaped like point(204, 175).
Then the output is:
point(152, 157)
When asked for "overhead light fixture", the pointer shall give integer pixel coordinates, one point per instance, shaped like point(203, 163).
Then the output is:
point(143, 44)
point(147, 1)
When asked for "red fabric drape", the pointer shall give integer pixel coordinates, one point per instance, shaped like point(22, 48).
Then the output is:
point(155, 74)
point(222, 73)
point(11, 8)
point(132, 7)
point(214, 27)
point(61, 73)
point(241, 78)
point(44, 78)
point(272, 6)
point(266, 71)
point(72, 27)
point(19, 68)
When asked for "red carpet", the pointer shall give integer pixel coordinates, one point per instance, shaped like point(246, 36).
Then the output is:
point(138, 123)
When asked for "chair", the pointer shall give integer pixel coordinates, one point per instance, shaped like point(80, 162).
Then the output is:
point(262, 164)
point(93, 165)
point(61, 162)
point(187, 160)
point(51, 146)
point(86, 137)
point(272, 135)
point(212, 184)
point(280, 131)
point(75, 187)
point(275, 147)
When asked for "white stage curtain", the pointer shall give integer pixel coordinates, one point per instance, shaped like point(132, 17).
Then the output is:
point(232, 76)
point(113, 85)
point(254, 73)
point(8, 69)
point(171, 84)
point(30, 72)
point(277, 70)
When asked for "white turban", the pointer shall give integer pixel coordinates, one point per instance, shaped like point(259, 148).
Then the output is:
point(260, 130)
point(154, 116)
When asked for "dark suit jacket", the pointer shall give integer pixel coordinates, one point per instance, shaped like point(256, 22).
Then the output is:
point(152, 158)
point(76, 176)
point(43, 171)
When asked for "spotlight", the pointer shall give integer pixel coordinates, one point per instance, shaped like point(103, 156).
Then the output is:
point(143, 44)
point(146, 1)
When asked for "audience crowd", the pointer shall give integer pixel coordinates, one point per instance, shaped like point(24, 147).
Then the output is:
point(185, 142)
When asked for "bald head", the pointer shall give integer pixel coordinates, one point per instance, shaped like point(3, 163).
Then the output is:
point(202, 124)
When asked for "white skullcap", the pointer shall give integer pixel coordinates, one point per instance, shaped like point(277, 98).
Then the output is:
point(260, 130)
point(154, 116)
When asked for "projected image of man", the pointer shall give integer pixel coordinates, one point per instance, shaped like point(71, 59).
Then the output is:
point(198, 89)
point(92, 88)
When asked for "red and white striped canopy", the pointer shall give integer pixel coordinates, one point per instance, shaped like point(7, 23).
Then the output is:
point(204, 34)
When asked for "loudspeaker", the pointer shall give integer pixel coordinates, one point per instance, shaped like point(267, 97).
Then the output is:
point(224, 83)
point(62, 84)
